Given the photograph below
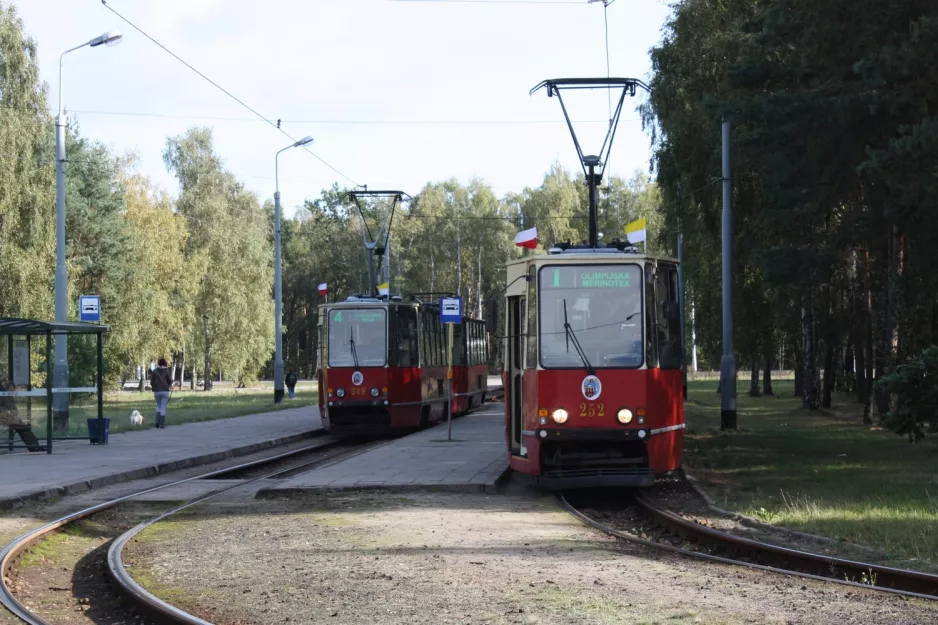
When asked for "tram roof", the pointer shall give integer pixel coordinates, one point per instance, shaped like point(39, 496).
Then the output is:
point(591, 255)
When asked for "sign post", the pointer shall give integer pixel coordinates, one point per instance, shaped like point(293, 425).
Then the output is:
point(450, 315)
point(89, 308)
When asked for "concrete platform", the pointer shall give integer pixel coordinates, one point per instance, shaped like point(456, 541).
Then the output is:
point(76, 466)
point(475, 460)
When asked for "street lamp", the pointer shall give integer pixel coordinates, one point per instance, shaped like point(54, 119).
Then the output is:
point(60, 376)
point(278, 281)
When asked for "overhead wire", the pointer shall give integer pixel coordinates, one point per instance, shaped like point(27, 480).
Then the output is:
point(225, 91)
point(373, 122)
point(490, 1)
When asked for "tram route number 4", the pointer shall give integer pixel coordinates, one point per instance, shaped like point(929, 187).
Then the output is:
point(451, 310)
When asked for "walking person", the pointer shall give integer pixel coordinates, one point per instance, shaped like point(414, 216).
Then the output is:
point(161, 382)
point(291, 384)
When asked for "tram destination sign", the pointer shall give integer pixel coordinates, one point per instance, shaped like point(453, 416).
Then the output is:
point(587, 277)
point(357, 316)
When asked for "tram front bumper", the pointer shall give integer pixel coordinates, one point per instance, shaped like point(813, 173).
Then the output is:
point(566, 456)
point(591, 434)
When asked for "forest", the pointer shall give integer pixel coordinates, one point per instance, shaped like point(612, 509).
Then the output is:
point(834, 141)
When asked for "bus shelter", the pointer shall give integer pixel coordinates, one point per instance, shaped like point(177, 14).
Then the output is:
point(21, 335)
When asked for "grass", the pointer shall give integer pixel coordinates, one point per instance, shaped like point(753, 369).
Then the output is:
point(184, 407)
point(823, 472)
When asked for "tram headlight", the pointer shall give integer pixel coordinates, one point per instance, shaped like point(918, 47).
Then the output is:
point(624, 416)
point(340, 392)
point(374, 392)
point(560, 415)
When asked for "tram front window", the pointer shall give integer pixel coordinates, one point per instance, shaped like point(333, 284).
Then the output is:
point(358, 334)
point(604, 309)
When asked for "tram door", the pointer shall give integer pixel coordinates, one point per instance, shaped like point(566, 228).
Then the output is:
point(514, 360)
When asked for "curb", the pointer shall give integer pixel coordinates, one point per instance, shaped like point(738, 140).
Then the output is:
point(275, 493)
point(751, 522)
point(491, 485)
point(56, 492)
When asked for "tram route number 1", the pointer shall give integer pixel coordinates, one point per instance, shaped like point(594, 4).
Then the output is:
point(592, 410)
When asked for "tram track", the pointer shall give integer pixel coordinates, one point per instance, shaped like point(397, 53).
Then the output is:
point(635, 519)
point(325, 452)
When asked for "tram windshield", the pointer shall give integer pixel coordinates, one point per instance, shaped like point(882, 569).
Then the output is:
point(358, 337)
point(604, 309)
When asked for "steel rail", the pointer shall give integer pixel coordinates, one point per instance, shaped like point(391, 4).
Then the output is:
point(885, 577)
point(18, 545)
point(689, 529)
point(150, 602)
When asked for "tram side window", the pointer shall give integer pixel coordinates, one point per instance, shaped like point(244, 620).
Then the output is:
point(480, 343)
point(437, 342)
point(473, 342)
point(424, 339)
point(668, 322)
point(406, 337)
point(441, 343)
point(530, 361)
point(650, 308)
point(460, 353)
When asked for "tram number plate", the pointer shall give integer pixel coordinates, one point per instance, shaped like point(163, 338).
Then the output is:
point(357, 392)
point(592, 410)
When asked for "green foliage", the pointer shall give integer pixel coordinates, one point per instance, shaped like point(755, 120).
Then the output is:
point(834, 146)
point(229, 252)
point(915, 385)
point(27, 174)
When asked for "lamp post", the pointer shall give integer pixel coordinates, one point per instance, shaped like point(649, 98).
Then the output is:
point(60, 373)
point(278, 281)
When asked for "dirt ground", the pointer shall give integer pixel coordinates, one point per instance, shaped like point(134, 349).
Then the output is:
point(355, 558)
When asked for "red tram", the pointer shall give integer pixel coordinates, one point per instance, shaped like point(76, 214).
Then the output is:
point(593, 370)
point(383, 365)
point(593, 377)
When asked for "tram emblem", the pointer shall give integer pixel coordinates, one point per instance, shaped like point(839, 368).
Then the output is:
point(357, 378)
point(591, 387)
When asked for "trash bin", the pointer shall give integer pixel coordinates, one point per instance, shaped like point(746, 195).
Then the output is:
point(95, 436)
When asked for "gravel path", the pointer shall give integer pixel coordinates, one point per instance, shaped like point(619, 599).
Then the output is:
point(356, 558)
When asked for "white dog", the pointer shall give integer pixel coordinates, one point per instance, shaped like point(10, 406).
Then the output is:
point(136, 418)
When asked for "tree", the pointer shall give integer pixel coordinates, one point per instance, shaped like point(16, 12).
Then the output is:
point(27, 219)
point(229, 251)
point(161, 314)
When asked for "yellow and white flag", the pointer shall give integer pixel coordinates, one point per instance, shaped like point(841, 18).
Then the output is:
point(635, 231)
point(384, 288)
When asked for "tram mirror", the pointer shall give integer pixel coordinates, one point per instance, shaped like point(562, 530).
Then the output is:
point(491, 316)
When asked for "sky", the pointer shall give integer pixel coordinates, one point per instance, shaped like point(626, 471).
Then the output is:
point(396, 93)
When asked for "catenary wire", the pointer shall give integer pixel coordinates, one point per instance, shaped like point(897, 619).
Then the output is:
point(223, 90)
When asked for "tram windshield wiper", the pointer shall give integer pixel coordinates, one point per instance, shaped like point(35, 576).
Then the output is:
point(571, 335)
point(351, 341)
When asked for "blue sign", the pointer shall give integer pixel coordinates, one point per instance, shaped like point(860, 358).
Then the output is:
point(450, 310)
point(89, 308)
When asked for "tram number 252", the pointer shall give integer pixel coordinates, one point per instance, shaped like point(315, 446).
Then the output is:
point(592, 410)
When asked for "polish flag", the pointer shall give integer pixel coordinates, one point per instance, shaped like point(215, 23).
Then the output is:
point(527, 238)
point(322, 289)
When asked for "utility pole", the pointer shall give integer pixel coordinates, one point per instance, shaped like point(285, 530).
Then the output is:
point(60, 374)
point(278, 277)
point(680, 289)
point(680, 303)
point(728, 362)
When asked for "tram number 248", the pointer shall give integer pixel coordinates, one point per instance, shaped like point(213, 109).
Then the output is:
point(592, 410)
